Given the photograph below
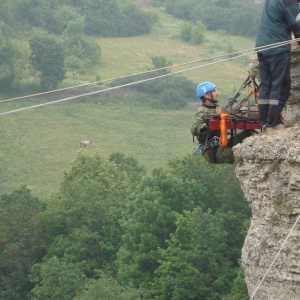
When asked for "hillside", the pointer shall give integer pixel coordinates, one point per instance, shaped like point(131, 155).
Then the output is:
point(38, 145)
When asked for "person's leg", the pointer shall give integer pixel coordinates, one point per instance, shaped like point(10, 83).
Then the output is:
point(225, 155)
point(210, 154)
point(281, 86)
point(264, 88)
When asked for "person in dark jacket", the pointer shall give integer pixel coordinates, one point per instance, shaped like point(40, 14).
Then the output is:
point(278, 22)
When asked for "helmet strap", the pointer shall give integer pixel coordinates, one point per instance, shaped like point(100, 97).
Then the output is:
point(211, 98)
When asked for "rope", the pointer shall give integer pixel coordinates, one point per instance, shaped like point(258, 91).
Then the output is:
point(125, 76)
point(223, 128)
point(262, 280)
point(112, 88)
point(244, 52)
point(258, 49)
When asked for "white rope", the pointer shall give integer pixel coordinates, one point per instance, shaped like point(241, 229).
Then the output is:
point(283, 244)
point(112, 88)
point(244, 52)
point(125, 76)
point(258, 49)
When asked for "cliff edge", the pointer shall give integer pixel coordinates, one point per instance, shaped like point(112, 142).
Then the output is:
point(268, 168)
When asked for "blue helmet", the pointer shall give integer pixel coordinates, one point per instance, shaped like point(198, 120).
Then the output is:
point(203, 88)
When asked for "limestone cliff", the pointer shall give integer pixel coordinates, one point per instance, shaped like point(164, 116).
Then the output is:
point(268, 168)
point(269, 172)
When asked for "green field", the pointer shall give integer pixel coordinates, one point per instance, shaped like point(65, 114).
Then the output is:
point(38, 144)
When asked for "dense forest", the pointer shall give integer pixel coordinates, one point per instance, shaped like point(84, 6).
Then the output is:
point(112, 231)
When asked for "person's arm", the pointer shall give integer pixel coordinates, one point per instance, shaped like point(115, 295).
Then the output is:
point(292, 10)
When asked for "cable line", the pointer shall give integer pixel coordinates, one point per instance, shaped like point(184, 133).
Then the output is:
point(243, 53)
point(113, 88)
point(258, 49)
point(263, 278)
point(125, 76)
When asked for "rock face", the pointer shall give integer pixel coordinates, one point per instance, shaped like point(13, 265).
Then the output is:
point(292, 110)
point(268, 168)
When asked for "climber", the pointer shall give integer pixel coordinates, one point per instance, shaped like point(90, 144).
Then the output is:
point(209, 146)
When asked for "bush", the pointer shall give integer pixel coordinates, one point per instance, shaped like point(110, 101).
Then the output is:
point(170, 99)
point(197, 35)
point(186, 31)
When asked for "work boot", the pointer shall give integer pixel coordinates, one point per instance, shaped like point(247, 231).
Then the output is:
point(273, 114)
point(263, 108)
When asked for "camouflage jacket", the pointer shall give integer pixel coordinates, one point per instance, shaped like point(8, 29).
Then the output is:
point(199, 128)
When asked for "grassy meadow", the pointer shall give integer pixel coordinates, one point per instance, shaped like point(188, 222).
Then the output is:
point(38, 144)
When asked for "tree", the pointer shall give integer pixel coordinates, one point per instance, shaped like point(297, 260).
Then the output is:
point(147, 221)
point(21, 242)
point(197, 35)
point(73, 38)
point(130, 165)
point(107, 288)
point(214, 187)
point(73, 64)
point(170, 99)
point(6, 66)
point(62, 16)
point(161, 62)
point(91, 187)
point(186, 31)
point(232, 16)
point(20, 61)
point(55, 279)
point(47, 58)
point(193, 266)
point(78, 50)
point(73, 224)
point(239, 288)
point(6, 11)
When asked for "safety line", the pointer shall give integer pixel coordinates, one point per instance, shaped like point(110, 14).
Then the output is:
point(257, 288)
point(149, 79)
point(121, 77)
point(258, 49)
point(114, 88)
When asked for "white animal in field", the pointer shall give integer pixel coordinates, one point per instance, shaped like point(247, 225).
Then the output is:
point(85, 144)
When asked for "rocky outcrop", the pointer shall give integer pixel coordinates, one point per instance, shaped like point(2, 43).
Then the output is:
point(268, 168)
point(292, 110)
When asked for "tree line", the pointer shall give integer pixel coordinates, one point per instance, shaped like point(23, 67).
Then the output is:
point(113, 232)
point(233, 16)
point(44, 39)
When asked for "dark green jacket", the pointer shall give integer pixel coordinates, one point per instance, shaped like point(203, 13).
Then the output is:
point(278, 21)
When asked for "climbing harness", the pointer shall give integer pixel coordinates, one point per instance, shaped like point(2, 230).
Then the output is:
point(213, 142)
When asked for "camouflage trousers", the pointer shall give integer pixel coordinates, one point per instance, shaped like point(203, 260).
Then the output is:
point(218, 155)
